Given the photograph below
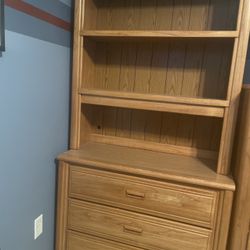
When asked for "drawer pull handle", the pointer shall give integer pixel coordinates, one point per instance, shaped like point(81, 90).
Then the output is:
point(131, 229)
point(135, 194)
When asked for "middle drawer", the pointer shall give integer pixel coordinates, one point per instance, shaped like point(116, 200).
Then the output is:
point(135, 229)
point(182, 203)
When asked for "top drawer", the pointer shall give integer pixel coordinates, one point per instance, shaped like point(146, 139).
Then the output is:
point(182, 203)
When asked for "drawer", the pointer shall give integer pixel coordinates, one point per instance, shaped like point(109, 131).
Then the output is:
point(181, 203)
point(77, 241)
point(135, 229)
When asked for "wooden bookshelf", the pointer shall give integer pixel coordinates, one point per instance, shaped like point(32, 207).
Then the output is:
point(155, 95)
point(194, 76)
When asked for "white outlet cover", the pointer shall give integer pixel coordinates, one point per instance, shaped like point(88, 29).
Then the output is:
point(38, 226)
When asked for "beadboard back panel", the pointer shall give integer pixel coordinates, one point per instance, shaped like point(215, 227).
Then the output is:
point(173, 68)
point(161, 14)
point(186, 134)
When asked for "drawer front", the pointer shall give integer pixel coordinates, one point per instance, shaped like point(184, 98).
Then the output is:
point(181, 203)
point(135, 229)
point(77, 241)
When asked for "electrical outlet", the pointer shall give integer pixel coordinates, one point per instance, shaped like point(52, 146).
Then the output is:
point(38, 226)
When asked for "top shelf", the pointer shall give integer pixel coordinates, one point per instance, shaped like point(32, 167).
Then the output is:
point(161, 19)
point(99, 34)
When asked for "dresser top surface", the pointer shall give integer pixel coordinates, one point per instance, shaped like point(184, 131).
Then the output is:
point(149, 164)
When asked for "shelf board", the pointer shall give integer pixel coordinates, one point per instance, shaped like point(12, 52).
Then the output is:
point(141, 162)
point(154, 146)
point(154, 97)
point(158, 34)
point(182, 105)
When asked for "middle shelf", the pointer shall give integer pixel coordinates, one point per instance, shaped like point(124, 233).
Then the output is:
point(182, 105)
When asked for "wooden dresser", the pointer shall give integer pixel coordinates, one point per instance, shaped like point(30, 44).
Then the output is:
point(156, 86)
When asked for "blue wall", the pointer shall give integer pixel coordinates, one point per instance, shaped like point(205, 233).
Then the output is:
point(34, 111)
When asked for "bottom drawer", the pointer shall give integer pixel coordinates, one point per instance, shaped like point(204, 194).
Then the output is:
point(135, 229)
point(77, 241)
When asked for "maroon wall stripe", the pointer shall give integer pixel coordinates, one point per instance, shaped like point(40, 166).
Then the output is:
point(38, 13)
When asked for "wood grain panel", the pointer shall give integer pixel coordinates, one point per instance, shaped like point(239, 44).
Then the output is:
point(232, 17)
point(207, 133)
point(140, 162)
point(181, 14)
point(159, 66)
point(248, 241)
point(109, 121)
point(128, 64)
point(133, 14)
point(218, 14)
point(164, 9)
point(223, 15)
point(103, 15)
point(148, 15)
point(225, 67)
point(89, 66)
point(100, 67)
point(192, 70)
point(116, 35)
point(113, 67)
point(153, 126)
point(95, 118)
point(148, 126)
point(143, 66)
point(138, 123)
point(164, 14)
point(215, 138)
point(175, 72)
point(62, 206)
point(240, 223)
point(169, 128)
point(86, 127)
point(180, 203)
point(154, 146)
point(210, 70)
point(235, 90)
point(185, 131)
point(79, 241)
point(76, 77)
point(90, 15)
point(174, 68)
point(136, 229)
point(223, 222)
point(199, 14)
point(123, 123)
point(172, 58)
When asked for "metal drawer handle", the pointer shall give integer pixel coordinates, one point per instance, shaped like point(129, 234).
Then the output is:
point(131, 229)
point(135, 194)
